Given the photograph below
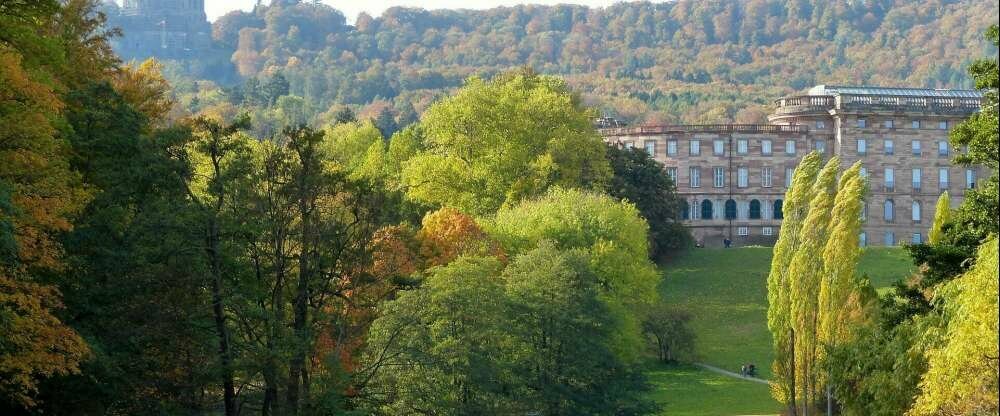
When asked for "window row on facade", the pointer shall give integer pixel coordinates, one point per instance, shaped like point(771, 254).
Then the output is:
point(790, 147)
point(719, 146)
point(890, 123)
point(889, 238)
point(754, 209)
point(863, 145)
point(765, 179)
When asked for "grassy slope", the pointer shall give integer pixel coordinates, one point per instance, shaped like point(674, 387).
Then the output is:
point(726, 292)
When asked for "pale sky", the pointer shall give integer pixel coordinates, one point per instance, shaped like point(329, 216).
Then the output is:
point(351, 8)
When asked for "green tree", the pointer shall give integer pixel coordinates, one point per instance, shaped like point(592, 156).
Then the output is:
point(439, 349)
point(670, 331)
point(611, 233)
point(218, 153)
point(563, 334)
point(643, 181)
point(497, 142)
point(806, 272)
point(842, 295)
point(978, 215)
point(795, 208)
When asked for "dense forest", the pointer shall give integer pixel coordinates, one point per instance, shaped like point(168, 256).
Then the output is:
point(679, 61)
point(485, 260)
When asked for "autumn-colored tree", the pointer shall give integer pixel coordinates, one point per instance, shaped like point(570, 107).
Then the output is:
point(142, 85)
point(962, 375)
point(35, 343)
point(39, 195)
point(446, 234)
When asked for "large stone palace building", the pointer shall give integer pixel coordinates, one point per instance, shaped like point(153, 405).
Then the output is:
point(160, 28)
point(733, 177)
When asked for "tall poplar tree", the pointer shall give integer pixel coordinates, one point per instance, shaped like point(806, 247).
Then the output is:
point(778, 320)
point(942, 214)
point(840, 298)
point(805, 272)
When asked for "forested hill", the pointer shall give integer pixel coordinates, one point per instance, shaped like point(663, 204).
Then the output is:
point(682, 61)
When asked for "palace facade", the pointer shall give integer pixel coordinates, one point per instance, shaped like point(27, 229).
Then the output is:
point(733, 177)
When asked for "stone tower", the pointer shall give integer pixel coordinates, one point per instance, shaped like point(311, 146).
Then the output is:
point(169, 29)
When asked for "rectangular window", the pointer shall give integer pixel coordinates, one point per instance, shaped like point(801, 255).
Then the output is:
point(943, 148)
point(888, 124)
point(890, 147)
point(766, 176)
point(820, 146)
point(672, 174)
point(863, 239)
point(789, 172)
point(970, 178)
point(915, 146)
point(719, 177)
point(890, 179)
point(789, 147)
point(650, 146)
point(890, 238)
point(820, 124)
point(765, 147)
point(742, 177)
point(742, 146)
point(862, 123)
point(695, 148)
point(743, 231)
point(917, 238)
point(694, 177)
point(629, 145)
point(915, 124)
point(671, 147)
point(943, 125)
point(864, 172)
point(719, 147)
point(862, 146)
point(767, 231)
point(917, 178)
point(943, 178)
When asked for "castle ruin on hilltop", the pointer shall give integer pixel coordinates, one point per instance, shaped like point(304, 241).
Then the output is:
point(170, 29)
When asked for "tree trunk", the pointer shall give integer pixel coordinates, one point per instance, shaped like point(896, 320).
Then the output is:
point(219, 313)
point(791, 351)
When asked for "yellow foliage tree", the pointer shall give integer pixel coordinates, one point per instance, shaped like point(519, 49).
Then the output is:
point(961, 378)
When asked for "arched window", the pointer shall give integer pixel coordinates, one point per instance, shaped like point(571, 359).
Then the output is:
point(889, 210)
point(915, 210)
point(685, 210)
point(754, 209)
point(706, 209)
point(730, 209)
point(778, 213)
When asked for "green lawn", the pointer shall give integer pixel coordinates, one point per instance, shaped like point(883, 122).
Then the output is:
point(691, 391)
point(726, 292)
